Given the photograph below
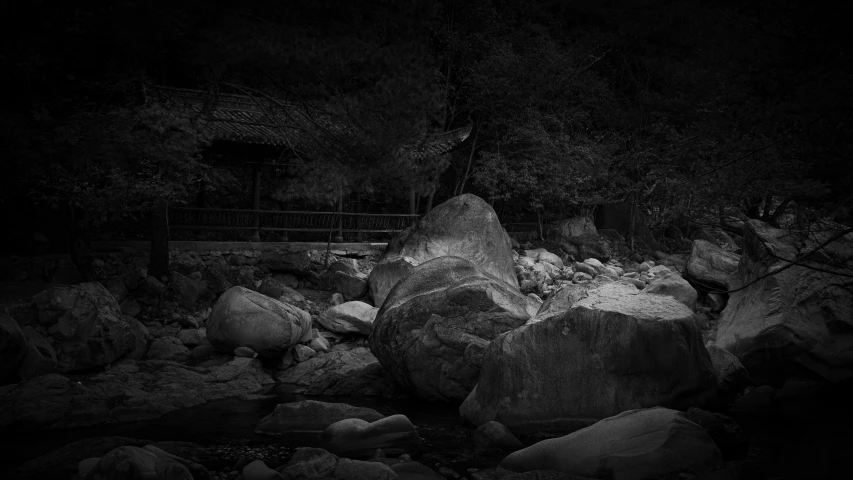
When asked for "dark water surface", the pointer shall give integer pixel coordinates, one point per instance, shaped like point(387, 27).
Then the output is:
point(813, 444)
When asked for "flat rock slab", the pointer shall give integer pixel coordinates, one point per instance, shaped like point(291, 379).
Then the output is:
point(125, 393)
point(353, 372)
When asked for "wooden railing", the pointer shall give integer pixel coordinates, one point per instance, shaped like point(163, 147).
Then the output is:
point(287, 221)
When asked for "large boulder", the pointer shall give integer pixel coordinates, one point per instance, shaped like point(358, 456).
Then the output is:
point(464, 226)
point(794, 318)
point(634, 445)
point(87, 323)
point(244, 318)
point(437, 321)
point(617, 349)
point(709, 266)
point(13, 346)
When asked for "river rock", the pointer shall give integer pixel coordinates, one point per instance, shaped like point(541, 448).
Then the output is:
point(437, 321)
point(634, 445)
point(87, 324)
point(710, 266)
point(494, 436)
point(242, 317)
point(40, 357)
point(353, 372)
point(732, 376)
point(671, 284)
point(64, 461)
point(309, 463)
point(296, 263)
point(13, 346)
point(352, 287)
point(168, 348)
point(797, 318)
point(193, 337)
point(275, 288)
point(464, 226)
point(349, 317)
point(258, 470)
point(628, 350)
point(357, 438)
point(134, 463)
point(311, 416)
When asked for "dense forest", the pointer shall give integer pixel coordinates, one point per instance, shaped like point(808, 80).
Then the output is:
point(688, 109)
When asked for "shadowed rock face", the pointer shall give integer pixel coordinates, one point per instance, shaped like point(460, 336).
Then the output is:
point(614, 350)
point(438, 320)
point(710, 265)
point(633, 445)
point(464, 226)
point(796, 318)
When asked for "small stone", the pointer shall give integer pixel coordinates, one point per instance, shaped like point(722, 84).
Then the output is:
point(303, 352)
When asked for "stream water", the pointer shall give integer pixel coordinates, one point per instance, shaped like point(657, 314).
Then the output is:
point(810, 445)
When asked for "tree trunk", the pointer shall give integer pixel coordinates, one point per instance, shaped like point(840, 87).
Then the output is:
point(158, 265)
point(470, 160)
point(429, 201)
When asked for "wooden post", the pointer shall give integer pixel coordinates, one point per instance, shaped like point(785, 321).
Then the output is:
point(340, 237)
point(256, 201)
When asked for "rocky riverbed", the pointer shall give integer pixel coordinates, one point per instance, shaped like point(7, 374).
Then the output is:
point(456, 353)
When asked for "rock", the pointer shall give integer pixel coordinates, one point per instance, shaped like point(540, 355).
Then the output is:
point(130, 307)
point(86, 465)
point(716, 301)
point(709, 266)
point(193, 337)
point(634, 445)
point(245, 352)
point(585, 268)
point(464, 226)
point(359, 470)
point(296, 263)
point(311, 416)
point(117, 288)
point(797, 318)
point(349, 317)
point(494, 436)
point(310, 463)
point(258, 470)
point(755, 401)
point(242, 317)
point(550, 258)
point(357, 438)
point(801, 396)
point(153, 287)
point(204, 350)
point(672, 285)
point(649, 354)
point(39, 358)
point(216, 276)
point(337, 299)
point(134, 463)
point(302, 353)
point(354, 372)
point(636, 282)
point(187, 290)
point(409, 470)
point(286, 279)
point(726, 433)
point(732, 376)
point(272, 288)
point(168, 348)
point(437, 321)
point(319, 344)
point(13, 346)
point(581, 277)
point(186, 262)
point(87, 324)
point(352, 287)
point(579, 238)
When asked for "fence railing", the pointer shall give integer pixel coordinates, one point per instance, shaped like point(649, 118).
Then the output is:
point(287, 221)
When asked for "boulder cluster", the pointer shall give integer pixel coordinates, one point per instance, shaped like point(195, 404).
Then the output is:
point(629, 363)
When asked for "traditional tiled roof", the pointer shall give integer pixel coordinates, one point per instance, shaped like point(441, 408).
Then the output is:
point(259, 120)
